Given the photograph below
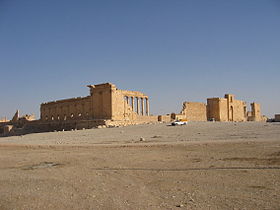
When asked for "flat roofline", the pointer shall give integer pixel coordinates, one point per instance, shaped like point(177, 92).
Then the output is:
point(64, 100)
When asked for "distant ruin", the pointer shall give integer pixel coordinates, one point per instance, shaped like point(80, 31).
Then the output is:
point(220, 109)
point(9, 127)
point(105, 102)
point(107, 106)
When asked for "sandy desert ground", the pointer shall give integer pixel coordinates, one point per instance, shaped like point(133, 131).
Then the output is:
point(207, 165)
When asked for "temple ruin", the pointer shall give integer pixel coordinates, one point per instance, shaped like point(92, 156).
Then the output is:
point(105, 102)
point(226, 109)
point(107, 106)
point(220, 109)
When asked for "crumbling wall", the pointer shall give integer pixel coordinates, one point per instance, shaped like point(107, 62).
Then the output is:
point(164, 118)
point(175, 116)
point(239, 111)
point(214, 105)
point(194, 111)
point(16, 125)
point(62, 110)
point(226, 109)
point(255, 114)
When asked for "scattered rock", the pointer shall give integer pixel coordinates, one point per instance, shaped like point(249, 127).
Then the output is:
point(142, 139)
point(180, 205)
point(156, 136)
point(41, 165)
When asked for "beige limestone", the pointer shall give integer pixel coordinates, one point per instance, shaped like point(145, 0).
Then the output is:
point(164, 118)
point(226, 109)
point(194, 111)
point(220, 109)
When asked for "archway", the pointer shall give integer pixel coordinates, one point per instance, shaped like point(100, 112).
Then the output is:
point(231, 113)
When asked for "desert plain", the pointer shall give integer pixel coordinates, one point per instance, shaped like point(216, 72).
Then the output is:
point(202, 165)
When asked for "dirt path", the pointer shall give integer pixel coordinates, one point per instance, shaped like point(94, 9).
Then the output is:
point(210, 172)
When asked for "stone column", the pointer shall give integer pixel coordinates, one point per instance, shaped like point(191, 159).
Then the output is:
point(147, 107)
point(142, 101)
point(132, 103)
point(138, 105)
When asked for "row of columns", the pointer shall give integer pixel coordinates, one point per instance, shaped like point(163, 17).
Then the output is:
point(141, 109)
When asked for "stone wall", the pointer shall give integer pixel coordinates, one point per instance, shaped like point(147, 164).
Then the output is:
point(62, 110)
point(226, 109)
point(256, 112)
point(213, 109)
point(177, 116)
point(194, 111)
point(164, 118)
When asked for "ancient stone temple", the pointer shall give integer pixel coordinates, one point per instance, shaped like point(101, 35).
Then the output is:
point(105, 102)
point(106, 105)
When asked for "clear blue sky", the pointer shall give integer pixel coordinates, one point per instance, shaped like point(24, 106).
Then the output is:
point(172, 50)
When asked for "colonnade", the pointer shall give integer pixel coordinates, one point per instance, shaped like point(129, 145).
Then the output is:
point(140, 105)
